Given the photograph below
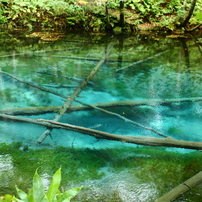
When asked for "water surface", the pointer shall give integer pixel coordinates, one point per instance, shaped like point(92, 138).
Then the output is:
point(143, 66)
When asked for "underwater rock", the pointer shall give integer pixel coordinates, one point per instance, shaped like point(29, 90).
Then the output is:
point(24, 148)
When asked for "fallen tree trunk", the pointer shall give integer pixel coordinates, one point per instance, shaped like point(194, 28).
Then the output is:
point(33, 52)
point(126, 119)
point(69, 100)
point(123, 103)
point(32, 84)
point(141, 61)
point(78, 80)
point(85, 58)
point(83, 104)
point(182, 188)
point(140, 140)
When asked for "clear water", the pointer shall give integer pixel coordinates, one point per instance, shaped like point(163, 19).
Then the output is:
point(174, 73)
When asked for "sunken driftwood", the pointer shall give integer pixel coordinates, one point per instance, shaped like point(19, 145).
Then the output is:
point(78, 80)
point(182, 188)
point(69, 100)
point(38, 110)
point(124, 103)
point(140, 61)
point(140, 140)
point(33, 52)
point(32, 84)
point(73, 57)
point(88, 105)
point(86, 58)
point(126, 119)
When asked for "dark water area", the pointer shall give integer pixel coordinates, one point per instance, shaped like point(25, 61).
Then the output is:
point(160, 71)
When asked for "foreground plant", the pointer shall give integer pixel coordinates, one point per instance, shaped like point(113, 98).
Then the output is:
point(38, 194)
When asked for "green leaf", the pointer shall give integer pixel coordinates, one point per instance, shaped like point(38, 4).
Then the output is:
point(199, 16)
point(141, 8)
point(45, 199)
point(55, 183)
point(23, 196)
point(69, 194)
point(38, 188)
point(8, 198)
point(30, 195)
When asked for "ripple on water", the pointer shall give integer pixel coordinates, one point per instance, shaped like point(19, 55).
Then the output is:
point(121, 186)
point(6, 170)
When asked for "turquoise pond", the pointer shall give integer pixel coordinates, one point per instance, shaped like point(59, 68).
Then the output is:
point(40, 70)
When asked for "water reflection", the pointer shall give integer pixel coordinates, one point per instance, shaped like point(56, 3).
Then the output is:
point(118, 186)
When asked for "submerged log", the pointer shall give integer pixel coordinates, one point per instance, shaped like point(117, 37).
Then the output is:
point(59, 86)
point(78, 80)
point(34, 52)
point(69, 100)
point(126, 119)
point(182, 188)
point(84, 104)
point(87, 58)
point(32, 84)
point(123, 103)
point(141, 61)
point(140, 140)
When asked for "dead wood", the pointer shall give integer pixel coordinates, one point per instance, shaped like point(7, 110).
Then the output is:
point(182, 188)
point(75, 108)
point(140, 140)
point(69, 100)
point(123, 103)
point(56, 75)
point(32, 84)
point(83, 58)
point(73, 57)
point(125, 119)
point(33, 52)
point(141, 61)
point(60, 86)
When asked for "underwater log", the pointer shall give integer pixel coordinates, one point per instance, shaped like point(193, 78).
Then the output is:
point(140, 61)
point(69, 100)
point(140, 140)
point(32, 84)
point(122, 103)
point(33, 52)
point(182, 188)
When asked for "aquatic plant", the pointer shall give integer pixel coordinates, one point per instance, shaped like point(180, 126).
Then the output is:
point(175, 131)
point(164, 169)
point(38, 194)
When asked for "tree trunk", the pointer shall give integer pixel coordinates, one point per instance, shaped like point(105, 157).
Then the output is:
point(122, 18)
point(108, 25)
point(188, 15)
point(182, 188)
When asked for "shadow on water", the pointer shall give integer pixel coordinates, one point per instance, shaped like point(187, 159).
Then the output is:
point(139, 67)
